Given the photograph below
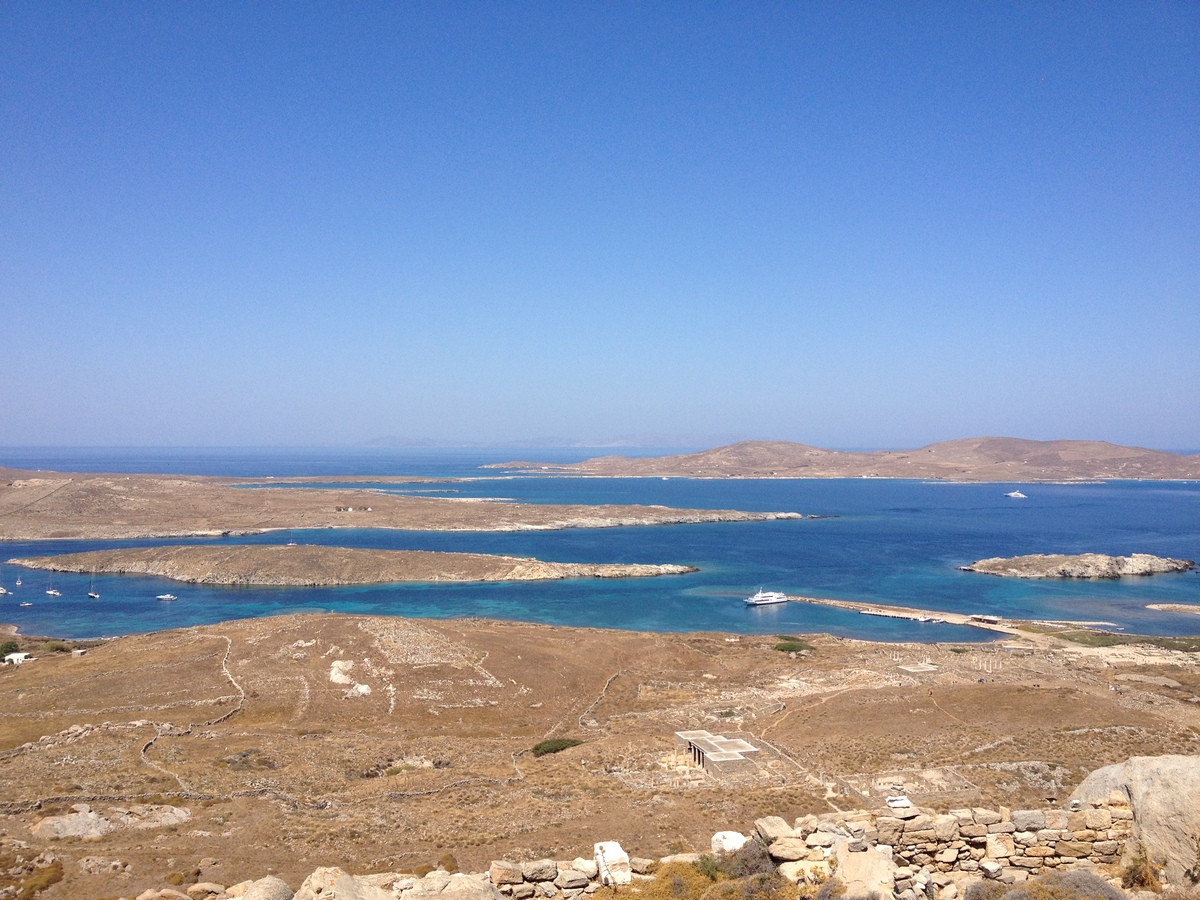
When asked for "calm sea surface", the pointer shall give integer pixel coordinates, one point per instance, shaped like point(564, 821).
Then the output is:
point(884, 541)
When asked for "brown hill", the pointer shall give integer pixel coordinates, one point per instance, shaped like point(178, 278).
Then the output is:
point(968, 459)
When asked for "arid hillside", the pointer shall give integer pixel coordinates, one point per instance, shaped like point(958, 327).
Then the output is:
point(381, 744)
point(971, 459)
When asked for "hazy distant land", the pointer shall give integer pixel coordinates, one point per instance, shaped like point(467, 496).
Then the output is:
point(309, 566)
point(969, 459)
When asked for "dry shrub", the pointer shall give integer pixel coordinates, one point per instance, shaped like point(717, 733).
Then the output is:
point(751, 859)
point(676, 881)
point(1140, 873)
point(985, 890)
point(710, 879)
point(40, 879)
point(1075, 885)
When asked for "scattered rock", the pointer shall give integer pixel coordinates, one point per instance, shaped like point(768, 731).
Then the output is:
point(572, 879)
point(772, 828)
point(790, 849)
point(539, 870)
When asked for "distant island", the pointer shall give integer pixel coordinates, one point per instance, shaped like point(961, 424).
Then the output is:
point(1084, 565)
point(312, 566)
point(971, 459)
point(37, 506)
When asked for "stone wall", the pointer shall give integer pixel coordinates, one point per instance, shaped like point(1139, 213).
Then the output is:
point(905, 853)
point(1007, 845)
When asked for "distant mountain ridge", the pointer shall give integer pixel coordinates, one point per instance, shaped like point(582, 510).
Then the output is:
point(966, 459)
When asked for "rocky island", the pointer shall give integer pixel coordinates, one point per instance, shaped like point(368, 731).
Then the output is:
point(1083, 565)
point(47, 506)
point(312, 566)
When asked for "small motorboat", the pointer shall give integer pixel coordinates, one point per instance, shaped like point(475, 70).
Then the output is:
point(27, 603)
point(53, 593)
point(166, 597)
point(1016, 495)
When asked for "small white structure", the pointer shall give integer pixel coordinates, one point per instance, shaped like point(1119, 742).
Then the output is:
point(15, 659)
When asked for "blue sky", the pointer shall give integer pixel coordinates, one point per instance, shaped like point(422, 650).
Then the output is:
point(848, 224)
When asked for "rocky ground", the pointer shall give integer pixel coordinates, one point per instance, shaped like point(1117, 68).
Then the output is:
point(310, 565)
point(379, 745)
point(1083, 565)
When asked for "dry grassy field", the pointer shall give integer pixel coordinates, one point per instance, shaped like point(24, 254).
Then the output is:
point(379, 744)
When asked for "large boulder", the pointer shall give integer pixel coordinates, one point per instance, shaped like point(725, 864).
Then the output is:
point(469, 887)
point(865, 874)
point(82, 823)
point(1164, 793)
point(331, 883)
point(269, 888)
point(772, 828)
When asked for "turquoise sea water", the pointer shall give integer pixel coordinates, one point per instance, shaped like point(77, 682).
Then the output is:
point(884, 541)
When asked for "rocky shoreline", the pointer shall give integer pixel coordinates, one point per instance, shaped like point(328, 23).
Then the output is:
point(1083, 565)
point(304, 565)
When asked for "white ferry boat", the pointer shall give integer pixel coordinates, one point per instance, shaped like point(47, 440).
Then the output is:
point(766, 598)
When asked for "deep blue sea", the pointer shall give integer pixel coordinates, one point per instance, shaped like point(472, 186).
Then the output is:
point(884, 541)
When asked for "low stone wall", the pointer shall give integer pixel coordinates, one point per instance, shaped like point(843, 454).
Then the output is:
point(905, 853)
point(1003, 844)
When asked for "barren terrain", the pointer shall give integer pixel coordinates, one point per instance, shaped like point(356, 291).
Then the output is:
point(379, 744)
point(309, 565)
point(41, 506)
point(971, 459)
